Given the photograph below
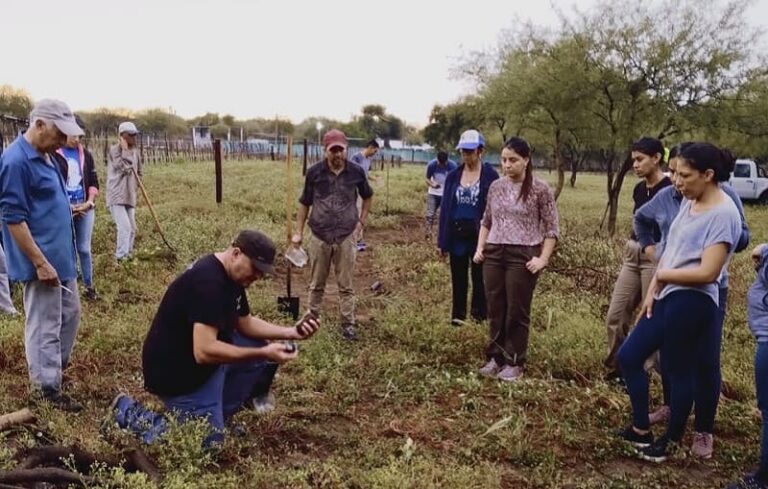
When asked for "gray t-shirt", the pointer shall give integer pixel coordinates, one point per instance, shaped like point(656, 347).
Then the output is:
point(691, 233)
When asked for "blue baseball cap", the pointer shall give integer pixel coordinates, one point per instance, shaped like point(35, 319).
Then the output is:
point(471, 139)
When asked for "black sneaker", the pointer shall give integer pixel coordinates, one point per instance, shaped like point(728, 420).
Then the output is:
point(750, 481)
point(90, 294)
point(348, 332)
point(659, 451)
point(636, 439)
point(57, 400)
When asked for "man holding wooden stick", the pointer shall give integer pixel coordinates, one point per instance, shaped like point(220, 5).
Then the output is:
point(122, 184)
point(331, 189)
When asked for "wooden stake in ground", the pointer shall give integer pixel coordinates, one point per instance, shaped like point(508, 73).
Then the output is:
point(152, 210)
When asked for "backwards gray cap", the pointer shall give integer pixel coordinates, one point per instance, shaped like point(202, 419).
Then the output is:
point(128, 127)
point(57, 112)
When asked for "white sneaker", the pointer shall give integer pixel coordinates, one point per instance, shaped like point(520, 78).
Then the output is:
point(510, 373)
point(264, 404)
point(490, 369)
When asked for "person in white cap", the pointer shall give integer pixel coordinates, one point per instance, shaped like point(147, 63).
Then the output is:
point(40, 247)
point(463, 204)
point(123, 164)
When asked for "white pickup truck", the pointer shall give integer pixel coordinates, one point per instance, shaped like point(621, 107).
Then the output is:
point(750, 181)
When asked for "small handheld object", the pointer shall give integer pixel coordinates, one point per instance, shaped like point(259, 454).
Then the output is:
point(291, 347)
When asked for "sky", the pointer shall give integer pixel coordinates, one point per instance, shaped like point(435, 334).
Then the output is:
point(253, 58)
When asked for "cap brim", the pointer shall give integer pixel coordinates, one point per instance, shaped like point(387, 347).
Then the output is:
point(264, 268)
point(132, 133)
point(334, 145)
point(468, 146)
point(70, 128)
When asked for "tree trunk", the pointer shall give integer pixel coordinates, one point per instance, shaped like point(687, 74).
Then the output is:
point(574, 169)
point(613, 197)
point(559, 165)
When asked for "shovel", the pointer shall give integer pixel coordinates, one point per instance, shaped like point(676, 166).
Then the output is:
point(288, 304)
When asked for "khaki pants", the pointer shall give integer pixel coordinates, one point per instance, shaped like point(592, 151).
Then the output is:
point(628, 293)
point(359, 212)
point(342, 257)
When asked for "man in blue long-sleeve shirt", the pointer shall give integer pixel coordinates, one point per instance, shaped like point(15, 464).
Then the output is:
point(40, 246)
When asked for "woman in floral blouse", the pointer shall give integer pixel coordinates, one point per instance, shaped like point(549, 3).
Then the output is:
point(517, 237)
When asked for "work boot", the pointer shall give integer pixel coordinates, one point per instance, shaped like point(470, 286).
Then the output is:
point(57, 400)
point(90, 294)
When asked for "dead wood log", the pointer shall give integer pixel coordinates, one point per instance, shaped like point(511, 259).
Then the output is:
point(49, 474)
point(54, 454)
point(137, 460)
point(17, 417)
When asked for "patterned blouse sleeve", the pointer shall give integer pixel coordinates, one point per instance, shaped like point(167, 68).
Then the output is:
point(487, 220)
point(548, 212)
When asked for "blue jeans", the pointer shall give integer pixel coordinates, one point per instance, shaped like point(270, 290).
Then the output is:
point(708, 376)
point(680, 323)
point(83, 234)
point(222, 396)
point(761, 385)
point(433, 205)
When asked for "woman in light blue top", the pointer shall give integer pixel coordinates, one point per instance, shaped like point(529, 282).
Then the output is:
point(680, 310)
point(659, 214)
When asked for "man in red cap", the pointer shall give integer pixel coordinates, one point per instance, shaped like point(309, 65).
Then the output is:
point(331, 190)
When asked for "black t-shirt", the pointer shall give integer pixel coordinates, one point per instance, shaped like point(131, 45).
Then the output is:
point(642, 194)
point(202, 294)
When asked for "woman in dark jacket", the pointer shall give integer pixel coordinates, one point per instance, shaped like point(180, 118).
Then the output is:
point(466, 189)
point(82, 184)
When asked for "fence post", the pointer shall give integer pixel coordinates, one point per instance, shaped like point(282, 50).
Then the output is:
point(304, 166)
point(217, 164)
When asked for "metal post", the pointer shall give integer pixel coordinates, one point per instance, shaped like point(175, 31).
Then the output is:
point(304, 166)
point(217, 164)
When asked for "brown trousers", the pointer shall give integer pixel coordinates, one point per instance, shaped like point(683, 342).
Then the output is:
point(509, 290)
point(628, 292)
point(341, 256)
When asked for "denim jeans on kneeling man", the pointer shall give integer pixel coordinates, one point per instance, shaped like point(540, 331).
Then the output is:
point(222, 396)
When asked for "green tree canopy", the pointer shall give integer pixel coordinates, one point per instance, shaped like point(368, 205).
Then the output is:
point(14, 102)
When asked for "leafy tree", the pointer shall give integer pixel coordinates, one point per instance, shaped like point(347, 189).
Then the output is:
point(614, 73)
point(207, 119)
point(228, 120)
point(160, 122)
point(375, 121)
point(104, 121)
point(14, 102)
point(447, 122)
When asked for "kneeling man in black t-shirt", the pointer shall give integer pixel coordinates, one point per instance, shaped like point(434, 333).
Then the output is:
point(205, 355)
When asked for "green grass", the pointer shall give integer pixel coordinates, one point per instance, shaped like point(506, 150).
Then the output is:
point(403, 407)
